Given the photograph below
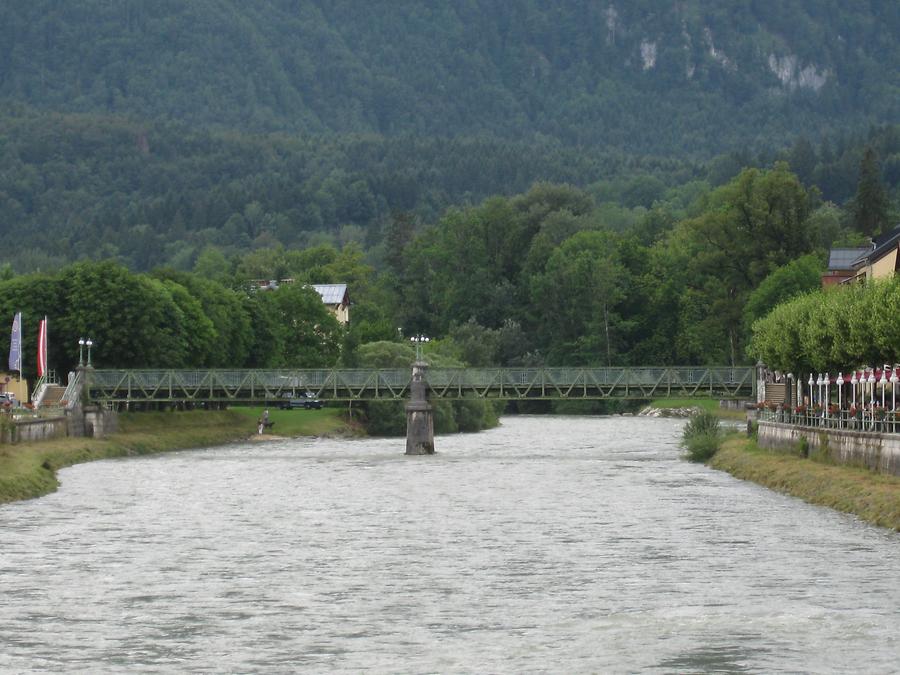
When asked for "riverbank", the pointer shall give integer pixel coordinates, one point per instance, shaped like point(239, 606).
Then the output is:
point(685, 407)
point(301, 422)
point(29, 470)
point(875, 498)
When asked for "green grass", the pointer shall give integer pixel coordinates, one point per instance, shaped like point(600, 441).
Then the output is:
point(300, 422)
point(28, 470)
point(873, 497)
point(707, 404)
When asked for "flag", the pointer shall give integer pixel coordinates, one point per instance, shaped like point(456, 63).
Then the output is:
point(42, 348)
point(15, 344)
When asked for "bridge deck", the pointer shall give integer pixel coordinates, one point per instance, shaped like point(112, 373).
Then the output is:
point(261, 386)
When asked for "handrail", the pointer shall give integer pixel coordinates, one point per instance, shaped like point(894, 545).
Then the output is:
point(862, 421)
point(37, 388)
point(237, 385)
point(70, 397)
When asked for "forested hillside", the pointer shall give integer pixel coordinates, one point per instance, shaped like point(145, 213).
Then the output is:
point(527, 182)
point(150, 194)
point(644, 76)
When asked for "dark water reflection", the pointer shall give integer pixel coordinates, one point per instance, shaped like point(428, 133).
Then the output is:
point(560, 545)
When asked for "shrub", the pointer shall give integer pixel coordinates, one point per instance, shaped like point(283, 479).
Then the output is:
point(702, 437)
point(704, 422)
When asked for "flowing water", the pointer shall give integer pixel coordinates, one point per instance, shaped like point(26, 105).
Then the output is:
point(563, 545)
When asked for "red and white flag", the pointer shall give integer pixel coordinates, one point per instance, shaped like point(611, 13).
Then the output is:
point(42, 348)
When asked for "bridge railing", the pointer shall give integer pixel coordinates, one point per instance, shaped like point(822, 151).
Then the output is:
point(361, 384)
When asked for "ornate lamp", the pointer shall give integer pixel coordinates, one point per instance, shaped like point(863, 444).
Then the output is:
point(840, 386)
point(894, 380)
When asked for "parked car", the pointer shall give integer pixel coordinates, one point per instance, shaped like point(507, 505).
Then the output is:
point(307, 401)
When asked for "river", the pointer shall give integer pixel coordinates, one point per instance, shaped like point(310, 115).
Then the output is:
point(564, 544)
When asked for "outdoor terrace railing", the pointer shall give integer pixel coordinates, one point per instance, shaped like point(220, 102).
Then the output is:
point(449, 383)
point(879, 421)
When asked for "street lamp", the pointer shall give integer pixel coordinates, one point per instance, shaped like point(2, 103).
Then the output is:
point(871, 382)
point(418, 341)
point(853, 382)
point(894, 380)
point(827, 381)
point(883, 382)
point(811, 395)
point(89, 343)
point(80, 351)
point(820, 382)
point(840, 385)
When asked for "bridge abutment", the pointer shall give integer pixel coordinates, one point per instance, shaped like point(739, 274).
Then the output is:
point(419, 414)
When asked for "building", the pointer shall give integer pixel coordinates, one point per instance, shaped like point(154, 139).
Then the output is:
point(337, 299)
point(880, 262)
point(840, 265)
point(334, 296)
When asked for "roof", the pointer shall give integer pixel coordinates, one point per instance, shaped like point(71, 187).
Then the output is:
point(843, 258)
point(332, 294)
point(880, 246)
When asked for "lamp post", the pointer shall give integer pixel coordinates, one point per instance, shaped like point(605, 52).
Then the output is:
point(894, 380)
point(853, 382)
point(811, 397)
point(89, 343)
point(827, 380)
point(80, 352)
point(871, 381)
point(840, 385)
point(883, 382)
point(792, 392)
point(418, 341)
point(819, 383)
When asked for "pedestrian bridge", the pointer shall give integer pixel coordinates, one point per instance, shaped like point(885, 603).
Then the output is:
point(269, 386)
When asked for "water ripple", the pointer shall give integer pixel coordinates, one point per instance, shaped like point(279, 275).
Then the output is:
point(547, 545)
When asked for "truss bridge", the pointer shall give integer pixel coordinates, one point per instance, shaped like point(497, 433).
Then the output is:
point(271, 386)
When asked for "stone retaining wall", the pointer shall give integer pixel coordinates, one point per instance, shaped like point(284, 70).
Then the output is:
point(38, 429)
point(90, 421)
point(878, 452)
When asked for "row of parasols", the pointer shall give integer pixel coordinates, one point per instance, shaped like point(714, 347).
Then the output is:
point(868, 387)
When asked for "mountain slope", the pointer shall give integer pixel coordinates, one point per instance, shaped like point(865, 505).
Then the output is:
point(642, 76)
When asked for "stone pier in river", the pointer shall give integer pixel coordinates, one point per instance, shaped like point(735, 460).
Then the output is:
point(419, 415)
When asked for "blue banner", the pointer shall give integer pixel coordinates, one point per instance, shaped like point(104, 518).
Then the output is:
point(15, 344)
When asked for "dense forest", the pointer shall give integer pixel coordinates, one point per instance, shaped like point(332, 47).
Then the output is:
point(643, 76)
point(529, 184)
point(147, 131)
point(148, 194)
point(544, 277)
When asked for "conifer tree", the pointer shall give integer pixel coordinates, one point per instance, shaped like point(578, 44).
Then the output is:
point(870, 205)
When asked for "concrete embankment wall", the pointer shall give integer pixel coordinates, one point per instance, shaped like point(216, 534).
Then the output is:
point(878, 452)
point(41, 429)
point(91, 422)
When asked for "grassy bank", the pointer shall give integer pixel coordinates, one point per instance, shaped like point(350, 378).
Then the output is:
point(300, 422)
point(29, 469)
point(707, 404)
point(873, 497)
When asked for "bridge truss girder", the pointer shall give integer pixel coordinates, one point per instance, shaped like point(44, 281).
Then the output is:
point(270, 386)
